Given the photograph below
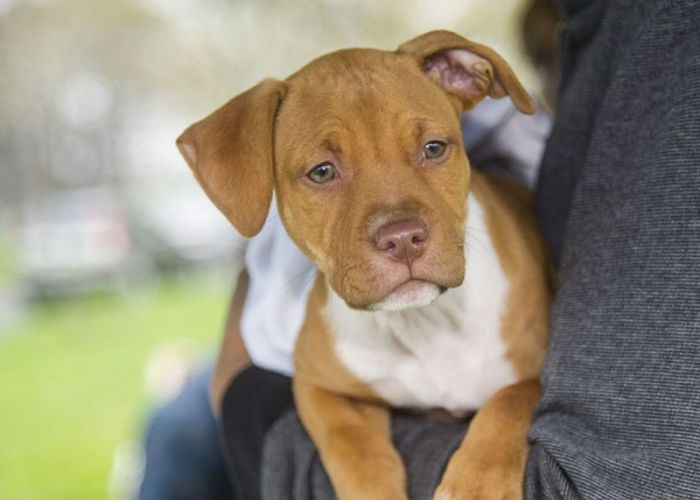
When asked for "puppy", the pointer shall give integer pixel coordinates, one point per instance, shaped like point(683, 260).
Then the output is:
point(432, 290)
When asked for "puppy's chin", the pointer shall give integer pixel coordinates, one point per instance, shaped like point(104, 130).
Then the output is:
point(413, 293)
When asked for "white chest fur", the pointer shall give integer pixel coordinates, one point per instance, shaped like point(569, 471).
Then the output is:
point(448, 354)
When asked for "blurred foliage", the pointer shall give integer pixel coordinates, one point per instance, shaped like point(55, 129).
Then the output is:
point(8, 268)
point(95, 91)
point(73, 383)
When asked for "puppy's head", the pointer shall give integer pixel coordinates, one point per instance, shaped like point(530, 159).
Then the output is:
point(363, 150)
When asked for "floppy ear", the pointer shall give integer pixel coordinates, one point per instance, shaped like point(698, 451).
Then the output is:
point(230, 153)
point(466, 69)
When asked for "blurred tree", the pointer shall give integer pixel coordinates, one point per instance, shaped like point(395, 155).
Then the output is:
point(94, 91)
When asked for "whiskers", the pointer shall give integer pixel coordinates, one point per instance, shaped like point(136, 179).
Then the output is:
point(346, 282)
point(475, 237)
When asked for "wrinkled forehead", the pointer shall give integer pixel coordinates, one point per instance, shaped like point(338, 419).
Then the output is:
point(361, 90)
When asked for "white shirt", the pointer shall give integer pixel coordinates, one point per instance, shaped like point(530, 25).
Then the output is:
point(497, 138)
point(280, 281)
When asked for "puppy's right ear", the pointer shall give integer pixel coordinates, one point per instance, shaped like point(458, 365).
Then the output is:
point(468, 70)
point(230, 153)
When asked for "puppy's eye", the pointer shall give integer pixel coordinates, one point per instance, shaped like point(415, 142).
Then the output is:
point(322, 173)
point(434, 149)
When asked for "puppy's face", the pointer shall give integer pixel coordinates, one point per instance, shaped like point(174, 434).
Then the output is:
point(364, 152)
point(371, 177)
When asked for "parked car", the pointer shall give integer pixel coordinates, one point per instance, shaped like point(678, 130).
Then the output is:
point(178, 227)
point(74, 241)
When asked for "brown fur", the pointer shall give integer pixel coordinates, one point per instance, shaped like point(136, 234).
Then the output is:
point(370, 112)
point(380, 167)
point(315, 361)
point(512, 227)
point(490, 462)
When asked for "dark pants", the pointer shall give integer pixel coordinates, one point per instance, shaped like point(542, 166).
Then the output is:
point(253, 402)
point(184, 455)
point(272, 457)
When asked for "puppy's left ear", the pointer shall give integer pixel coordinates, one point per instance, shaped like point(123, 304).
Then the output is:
point(468, 70)
point(230, 153)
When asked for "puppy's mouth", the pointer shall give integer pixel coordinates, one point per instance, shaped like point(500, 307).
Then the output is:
point(409, 294)
point(390, 285)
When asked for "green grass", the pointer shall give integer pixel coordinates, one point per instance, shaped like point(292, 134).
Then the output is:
point(73, 383)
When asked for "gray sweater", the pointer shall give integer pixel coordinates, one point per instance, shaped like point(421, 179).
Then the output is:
point(619, 203)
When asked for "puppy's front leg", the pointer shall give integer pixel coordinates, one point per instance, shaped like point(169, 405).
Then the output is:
point(490, 462)
point(353, 439)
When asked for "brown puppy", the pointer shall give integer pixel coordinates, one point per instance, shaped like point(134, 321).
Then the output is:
point(364, 153)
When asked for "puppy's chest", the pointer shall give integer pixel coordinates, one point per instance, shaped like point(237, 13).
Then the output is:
point(424, 362)
point(449, 354)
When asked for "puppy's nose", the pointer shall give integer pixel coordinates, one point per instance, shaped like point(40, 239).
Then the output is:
point(402, 240)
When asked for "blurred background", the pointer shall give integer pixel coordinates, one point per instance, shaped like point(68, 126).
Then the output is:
point(115, 270)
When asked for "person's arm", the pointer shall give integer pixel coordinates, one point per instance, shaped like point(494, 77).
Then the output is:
point(619, 203)
point(233, 356)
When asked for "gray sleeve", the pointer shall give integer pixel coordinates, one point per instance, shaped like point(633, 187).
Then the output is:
point(619, 202)
point(292, 469)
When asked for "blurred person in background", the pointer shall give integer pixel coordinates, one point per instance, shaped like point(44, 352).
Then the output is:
point(185, 457)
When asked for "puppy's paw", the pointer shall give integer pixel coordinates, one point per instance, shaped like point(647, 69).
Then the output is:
point(374, 494)
point(478, 483)
point(371, 490)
